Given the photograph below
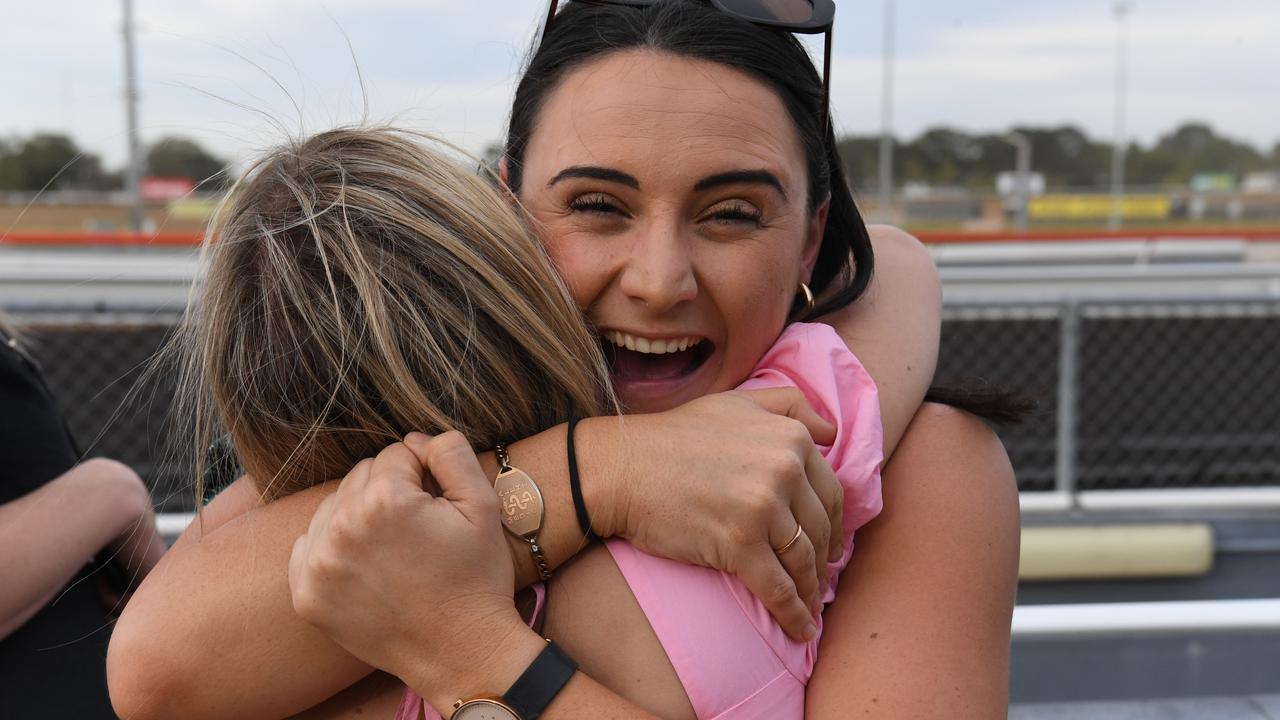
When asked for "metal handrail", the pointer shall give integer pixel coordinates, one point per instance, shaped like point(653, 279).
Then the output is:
point(1079, 620)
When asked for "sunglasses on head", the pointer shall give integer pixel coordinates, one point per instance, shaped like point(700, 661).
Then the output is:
point(805, 17)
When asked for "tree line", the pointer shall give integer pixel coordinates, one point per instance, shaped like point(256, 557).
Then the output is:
point(1065, 155)
point(53, 161)
point(941, 156)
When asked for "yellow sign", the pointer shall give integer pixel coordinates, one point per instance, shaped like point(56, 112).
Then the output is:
point(191, 209)
point(1098, 207)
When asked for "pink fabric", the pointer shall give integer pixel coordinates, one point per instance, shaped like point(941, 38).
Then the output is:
point(732, 658)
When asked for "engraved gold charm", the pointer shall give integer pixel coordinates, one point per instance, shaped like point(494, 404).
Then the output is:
point(521, 502)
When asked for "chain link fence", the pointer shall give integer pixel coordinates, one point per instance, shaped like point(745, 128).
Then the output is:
point(95, 363)
point(1133, 395)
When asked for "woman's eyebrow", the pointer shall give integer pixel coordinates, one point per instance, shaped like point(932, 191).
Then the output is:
point(733, 177)
point(595, 172)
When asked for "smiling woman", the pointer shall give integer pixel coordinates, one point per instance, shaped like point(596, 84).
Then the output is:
point(677, 167)
point(654, 249)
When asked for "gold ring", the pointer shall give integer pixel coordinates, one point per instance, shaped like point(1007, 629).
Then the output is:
point(792, 541)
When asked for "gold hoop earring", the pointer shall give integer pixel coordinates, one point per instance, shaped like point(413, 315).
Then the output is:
point(808, 298)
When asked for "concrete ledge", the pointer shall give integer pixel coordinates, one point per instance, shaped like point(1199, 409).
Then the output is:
point(1254, 707)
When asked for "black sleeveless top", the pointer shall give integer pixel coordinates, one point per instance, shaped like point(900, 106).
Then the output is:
point(54, 666)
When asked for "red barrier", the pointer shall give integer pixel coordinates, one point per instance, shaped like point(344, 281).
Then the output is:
point(173, 239)
point(166, 239)
point(1252, 234)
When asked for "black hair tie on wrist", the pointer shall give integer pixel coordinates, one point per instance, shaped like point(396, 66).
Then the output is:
point(575, 487)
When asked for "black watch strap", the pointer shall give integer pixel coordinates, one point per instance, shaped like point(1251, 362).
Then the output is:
point(538, 685)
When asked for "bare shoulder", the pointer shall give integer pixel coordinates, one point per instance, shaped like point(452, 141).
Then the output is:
point(937, 426)
point(898, 243)
point(894, 327)
point(923, 612)
point(952, 463)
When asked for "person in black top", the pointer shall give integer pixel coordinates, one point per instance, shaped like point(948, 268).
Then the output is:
point(56, 611)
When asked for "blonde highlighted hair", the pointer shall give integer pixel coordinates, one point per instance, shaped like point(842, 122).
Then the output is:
point(362, 284)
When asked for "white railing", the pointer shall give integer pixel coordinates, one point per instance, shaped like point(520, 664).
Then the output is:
point(1079, 620)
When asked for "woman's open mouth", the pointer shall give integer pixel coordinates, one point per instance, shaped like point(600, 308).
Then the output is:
point(635, 359)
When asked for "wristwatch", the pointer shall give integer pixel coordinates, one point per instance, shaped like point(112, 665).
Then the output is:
point(531, 693)
point(521, 506)
point(484, 709)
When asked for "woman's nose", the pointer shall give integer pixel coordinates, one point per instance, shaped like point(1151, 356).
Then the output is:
point(659, 271)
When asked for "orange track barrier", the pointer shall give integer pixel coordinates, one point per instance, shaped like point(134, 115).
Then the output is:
point(173, 239)
point(107, 238)
point(1227, 233)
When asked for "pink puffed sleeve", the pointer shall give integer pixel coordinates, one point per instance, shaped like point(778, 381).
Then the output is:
point(813, 358)
point(707, 621)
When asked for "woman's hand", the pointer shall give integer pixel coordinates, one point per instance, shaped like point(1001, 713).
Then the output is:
point(418, 586)
point(723, 480)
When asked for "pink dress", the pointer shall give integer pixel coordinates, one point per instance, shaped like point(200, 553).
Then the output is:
point(733, 660)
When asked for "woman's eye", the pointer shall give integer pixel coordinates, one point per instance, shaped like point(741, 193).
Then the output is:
point(594, 203)
point(736, 212)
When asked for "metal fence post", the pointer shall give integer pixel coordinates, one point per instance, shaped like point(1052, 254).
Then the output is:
point(1068, 358)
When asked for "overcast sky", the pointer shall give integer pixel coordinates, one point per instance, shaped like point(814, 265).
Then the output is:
point(209, 69)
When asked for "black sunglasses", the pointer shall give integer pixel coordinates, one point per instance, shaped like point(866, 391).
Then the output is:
point(805, 17)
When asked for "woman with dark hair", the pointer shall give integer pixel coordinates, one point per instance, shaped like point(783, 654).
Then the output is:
point(681, 172)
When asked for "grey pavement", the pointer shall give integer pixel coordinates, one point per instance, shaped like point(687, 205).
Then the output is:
point(1254, 707)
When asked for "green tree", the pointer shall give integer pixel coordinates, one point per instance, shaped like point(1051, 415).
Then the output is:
point(1195, 148)
point(8, 167)
point(52, 161)
point(180, 157)
point(861, 160)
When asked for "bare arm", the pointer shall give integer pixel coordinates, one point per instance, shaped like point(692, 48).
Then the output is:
point(232, 593)
point(921, 625)
point(227, 591)
point(49, 534)
point(894, 328)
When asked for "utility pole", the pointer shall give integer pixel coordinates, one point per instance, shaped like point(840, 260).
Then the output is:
point(1120, 147)
point(1023, 177)
point(133, 171)
point(886, 119)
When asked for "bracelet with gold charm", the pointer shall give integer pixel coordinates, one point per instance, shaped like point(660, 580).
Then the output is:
point(520, 502)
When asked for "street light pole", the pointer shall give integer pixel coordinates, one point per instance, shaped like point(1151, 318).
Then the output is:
point(133, 171)
point(1023, 177)
point(886, 119)
point(1118, 150)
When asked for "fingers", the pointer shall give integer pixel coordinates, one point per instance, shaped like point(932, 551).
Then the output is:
point(830, 494)
point(767, 579)
point(297, 559)
point(791, 402)
point(354, 482)
point(816, 526)
point(451, 461)
point(398, 465)
point(801, 564)
point(300, 560)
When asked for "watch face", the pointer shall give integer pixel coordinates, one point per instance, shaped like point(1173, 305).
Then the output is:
point(520, 501)
point(484, 710)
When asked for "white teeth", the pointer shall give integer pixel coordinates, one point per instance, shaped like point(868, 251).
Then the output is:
point(651, 347)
